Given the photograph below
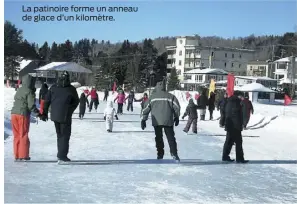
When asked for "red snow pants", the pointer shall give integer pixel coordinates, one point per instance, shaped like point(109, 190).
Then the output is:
point(41, 106)
point(20, 128)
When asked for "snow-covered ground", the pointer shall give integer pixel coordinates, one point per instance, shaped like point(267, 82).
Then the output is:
point(124, 168)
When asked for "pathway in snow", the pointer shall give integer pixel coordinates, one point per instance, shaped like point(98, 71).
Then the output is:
point(140, 183)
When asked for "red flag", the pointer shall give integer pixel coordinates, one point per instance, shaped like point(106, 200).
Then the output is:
point(288, 100)
point(197, 96)
point(230, 84)
point(114, 87)
point(188, 95)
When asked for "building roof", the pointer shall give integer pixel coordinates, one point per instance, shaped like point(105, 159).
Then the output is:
point(287, 81)
point(254, 87)
point(286, 59)
point(24, 63)
point(260, 62)
point(255, 78)
point(207, 71)
point(64, 66)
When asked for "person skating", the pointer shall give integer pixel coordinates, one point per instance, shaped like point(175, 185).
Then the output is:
point(63, 99)
point(191, 112)
point(109, 113)
point(211, 104)
point(94, 99)
point(131, 98)
point(83, 101)
point(42, 94)
point(106, 93)
point(247, 110)
point(165, 112)
point(24, 104)
point(121, 99)
point(202, 102)
point(233, 126)
point(221, 107)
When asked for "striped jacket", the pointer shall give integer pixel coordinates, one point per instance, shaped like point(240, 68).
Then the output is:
point(164, 107)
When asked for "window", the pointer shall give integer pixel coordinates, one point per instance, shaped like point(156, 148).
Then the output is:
point(232, 55)
point(198, 78)
point(240, 56)
point(187, 77)
point(212, 54)
point(226, 55)
point(239, 65)
point(225, 64)
point(232, 65)
point(179, 62)
point(180, 53)
point(178, 72)
point(181, 41)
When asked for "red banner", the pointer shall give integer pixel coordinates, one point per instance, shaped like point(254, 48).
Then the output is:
point(230, 84)
point(287, 99)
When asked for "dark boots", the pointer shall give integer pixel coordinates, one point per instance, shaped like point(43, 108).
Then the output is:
point(202, 117)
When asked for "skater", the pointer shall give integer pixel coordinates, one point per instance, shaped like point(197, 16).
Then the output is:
point(82, 105)
point(109, 113)
point(165, 112)
point(106, 93)
point(233, 126)
point(202, 102)
point(63, 99)
point(142, 100)
point(94, 99)
point(211, 104)
point(131, 98)
point(121, 99)
point(247, 109)
point(191, 111)
point(24, 104)
point(221, 107)
point(42, 94)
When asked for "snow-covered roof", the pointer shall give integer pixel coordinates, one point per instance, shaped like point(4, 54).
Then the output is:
point(24, 63)
point(207, 71)
point(255, 78)
point(286, 59)
point(64, 66)
point(287, 81)
point(254, 87)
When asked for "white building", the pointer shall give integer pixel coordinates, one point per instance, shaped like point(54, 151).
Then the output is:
point(257, 68)
point(199, 77)
point(265, 81)
point(187, 54)
point(283, 69)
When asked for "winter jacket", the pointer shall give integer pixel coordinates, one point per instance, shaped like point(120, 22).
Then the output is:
point(164, 107)
point(247, 108)
point(233, 114)
point(87, 92)
point(43, 91)
point(120, 97)
point(109, 110)
point(130, 97)
point(202, 101)
point(83, 100)
point(24, 99)
point(63, 99)
point(93, 94)
point(211, 101)
point(106, 93)
point(191, 110)
point(221, 105)
point(142, 100)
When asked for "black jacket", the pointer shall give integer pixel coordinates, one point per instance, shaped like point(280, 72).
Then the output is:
point(43, 91)
point(130, 97)
point(106, 93)
point(191, 110)
point(83, 100)
point(202, 101)
point(211, 101)
point(63, 99)
point(233, 114)
point(221, 105)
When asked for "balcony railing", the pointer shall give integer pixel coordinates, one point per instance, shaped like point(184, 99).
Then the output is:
point(192, 55)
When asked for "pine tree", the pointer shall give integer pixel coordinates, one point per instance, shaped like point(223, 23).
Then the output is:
point(54, 53)
point(173, 81)
point(44, 52)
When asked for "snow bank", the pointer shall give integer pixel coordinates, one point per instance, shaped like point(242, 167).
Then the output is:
point(76, 84)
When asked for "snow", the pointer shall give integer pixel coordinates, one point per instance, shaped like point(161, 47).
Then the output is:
point(254, 87)
point(286, 59)
point(64, 66)
point(207, 71)
point(256, 78)
point(24, 63)
point(134, 176)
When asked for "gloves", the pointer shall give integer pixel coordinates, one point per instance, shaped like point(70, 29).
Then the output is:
point(43, 117)
point(143, 124)
point(104, 118)
point(117, 118)
point(176, 121)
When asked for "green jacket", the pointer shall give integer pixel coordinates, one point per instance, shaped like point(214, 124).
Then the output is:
point(24, 99)
point(164, 106)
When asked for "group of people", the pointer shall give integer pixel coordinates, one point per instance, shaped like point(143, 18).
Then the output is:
point(163, 107)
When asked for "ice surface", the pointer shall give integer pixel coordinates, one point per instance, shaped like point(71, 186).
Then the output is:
point(145, 180)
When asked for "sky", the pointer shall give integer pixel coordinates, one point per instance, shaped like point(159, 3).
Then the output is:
point(159, 18)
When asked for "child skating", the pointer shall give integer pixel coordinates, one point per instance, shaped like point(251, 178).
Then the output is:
point(191, 112)
point(83, 100)
point(121, 99)
point(109, 113)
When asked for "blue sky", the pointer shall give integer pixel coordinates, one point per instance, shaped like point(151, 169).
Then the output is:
point(161, 18)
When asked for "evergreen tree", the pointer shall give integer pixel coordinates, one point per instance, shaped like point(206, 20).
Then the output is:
point(173, 81)
point(44, 53)
point(54, 53)
point(66, 51)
